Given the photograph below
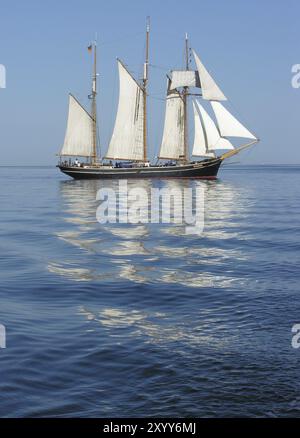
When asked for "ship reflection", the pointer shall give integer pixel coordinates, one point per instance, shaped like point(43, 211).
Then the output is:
point(148, 252)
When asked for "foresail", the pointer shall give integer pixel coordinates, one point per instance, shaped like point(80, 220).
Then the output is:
point(172, 146)
point(184, 78)
point(229, 126)
point(79, 133)
point(210, 90)
point(200, 148)
point(127, 141)
point(214, 140)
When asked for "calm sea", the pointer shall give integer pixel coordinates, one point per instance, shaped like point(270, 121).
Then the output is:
point(145, 320)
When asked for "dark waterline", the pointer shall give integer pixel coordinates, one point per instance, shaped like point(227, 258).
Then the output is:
point(145, 320)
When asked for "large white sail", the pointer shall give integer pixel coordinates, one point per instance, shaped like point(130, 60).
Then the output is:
point(127, 142)
point(79, 133)
point(172, 146)
point(200, 148)
point(210, 90)
point(229, 126)
point(184, 78)
point(214, 140)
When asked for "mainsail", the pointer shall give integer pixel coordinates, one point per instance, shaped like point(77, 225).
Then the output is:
point(210, 90)
point(172, 146)
point(229, 126)
point(127, 142)
point(213, 137)
point(79, 133)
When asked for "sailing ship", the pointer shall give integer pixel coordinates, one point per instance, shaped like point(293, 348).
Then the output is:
point(127, 154)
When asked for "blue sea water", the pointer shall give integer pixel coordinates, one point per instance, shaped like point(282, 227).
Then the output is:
point(144, 320)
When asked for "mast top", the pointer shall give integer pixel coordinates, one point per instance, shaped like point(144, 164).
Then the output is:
point(187, 49)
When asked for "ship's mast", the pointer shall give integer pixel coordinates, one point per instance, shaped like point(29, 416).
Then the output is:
point(94, 104)
point(145, 84)
point(185, 101)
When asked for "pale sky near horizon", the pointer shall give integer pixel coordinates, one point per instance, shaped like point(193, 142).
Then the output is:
point(249, 46)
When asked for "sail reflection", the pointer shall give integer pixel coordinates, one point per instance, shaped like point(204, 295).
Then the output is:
point(147, 252)
point(153, 327)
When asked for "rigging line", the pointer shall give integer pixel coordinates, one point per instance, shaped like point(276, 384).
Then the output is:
point(159, 67)
point(249, 152)
point(157, 95)
point(112, 42)
point(156, 98)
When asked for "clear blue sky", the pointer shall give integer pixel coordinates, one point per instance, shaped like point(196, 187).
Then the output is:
point(250, 46)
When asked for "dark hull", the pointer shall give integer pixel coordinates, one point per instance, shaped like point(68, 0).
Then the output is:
point(201, 170)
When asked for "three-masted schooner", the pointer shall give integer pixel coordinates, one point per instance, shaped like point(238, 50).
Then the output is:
point(127, 155)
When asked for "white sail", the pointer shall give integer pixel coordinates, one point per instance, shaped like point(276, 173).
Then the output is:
point(79, 133)
point(127, 141)
point(200, 148)
point(184, 78)
point(172, 146)
point(210, 90)
point(229, 126)
point(214, 140)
